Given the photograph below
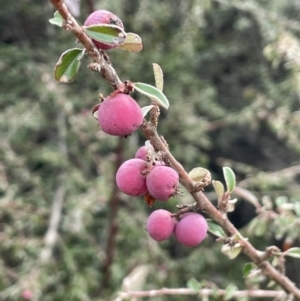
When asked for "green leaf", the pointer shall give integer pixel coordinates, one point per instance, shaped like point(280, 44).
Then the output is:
point(215, 229)
point(261, 226)
point(146, 109)
point(194, 284)
point(248, 268)
point(231, 251)
point(158, 76)
point(68, 65)
point(153, 93)
point(229, 178)
point(109, 34)
point(57, 19)
point(219, 188)
point(197, 174)
point(293, 252)
point(133, 43)
point(229, 291)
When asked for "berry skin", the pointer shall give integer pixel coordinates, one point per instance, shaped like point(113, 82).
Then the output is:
point(160, 225)
point(130, 179)
point(27, 294)
point(162, 182)
point(191, 230)
point(103, 17)
point(142, 152)
point(119, 115)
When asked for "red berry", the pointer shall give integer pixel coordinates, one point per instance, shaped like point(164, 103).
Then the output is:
point(162, 182)
point(103, 17)
point(119, 115)
point(142, 152)
point(130, 179)
point(160, 225)
point(27, 294)
point(191, 230)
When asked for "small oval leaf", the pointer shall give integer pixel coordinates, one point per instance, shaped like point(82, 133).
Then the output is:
point(215, 229)
point(146, 109)
point(68, 65)
point(248, 268)
point(229, 178)
point(197, 174)
point(109, 34)
point(293, 252)
point(133, 43)
point(153, 93)
point(57, 19)
point(219, 188)
point(158, 76)
point(231, 251)
point(194, 284)
point(230, 291)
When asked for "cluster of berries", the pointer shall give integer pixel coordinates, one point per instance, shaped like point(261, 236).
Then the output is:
point(146, 174)
point(137, 177)
point(143, 174)
point(190, 230)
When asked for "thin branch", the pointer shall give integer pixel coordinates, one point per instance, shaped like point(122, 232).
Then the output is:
point(202, 293)
point(150, 132)
point(59, 195)
point(114, 203)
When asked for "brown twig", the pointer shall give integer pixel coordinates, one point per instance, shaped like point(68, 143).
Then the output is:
point(150, 132)
point(202, 293)
point(114, 202)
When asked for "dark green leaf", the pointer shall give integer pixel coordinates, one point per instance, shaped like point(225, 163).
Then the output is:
point(158, 76)
point(153, 93)
point(248, 268)
point(293, 252)
point(132, 43)
point(229, 178)
point(215, 229)
point(109, 34)
point(57, 19)
point(68, 65)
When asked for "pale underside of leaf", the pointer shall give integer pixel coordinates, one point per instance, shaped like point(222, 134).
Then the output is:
point(158, 76)
point(133, 43)
point(146, 109)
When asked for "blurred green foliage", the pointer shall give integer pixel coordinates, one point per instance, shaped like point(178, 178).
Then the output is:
point(232, 77)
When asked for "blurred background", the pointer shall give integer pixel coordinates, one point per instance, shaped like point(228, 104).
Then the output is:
point(232, 75)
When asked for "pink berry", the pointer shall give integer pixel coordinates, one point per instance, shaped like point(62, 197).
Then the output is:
point(142, 152)
point(162, 182)
point(191, 230)
point(27, 294)
point(119, 115)
point(103, 17)
point(130, 179)
point(160, 225)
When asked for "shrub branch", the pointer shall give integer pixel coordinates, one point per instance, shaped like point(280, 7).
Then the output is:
point(110, 75)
